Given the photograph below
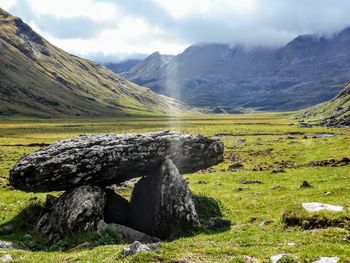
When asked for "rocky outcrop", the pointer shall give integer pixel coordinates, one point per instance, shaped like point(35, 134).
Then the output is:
point(162, 202)
point(75, 210)
point(335, 123)
point(334, 113)
point(108, 159)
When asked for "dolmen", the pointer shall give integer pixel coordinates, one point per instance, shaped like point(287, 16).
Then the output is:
point(85, 166)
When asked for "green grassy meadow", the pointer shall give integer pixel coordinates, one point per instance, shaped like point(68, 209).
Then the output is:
point(271, 141)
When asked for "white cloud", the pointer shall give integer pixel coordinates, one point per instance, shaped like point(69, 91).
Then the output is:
point(75, 8)
point(132, 35)
point(7, 4)
point(180, 9)
point(168, 26)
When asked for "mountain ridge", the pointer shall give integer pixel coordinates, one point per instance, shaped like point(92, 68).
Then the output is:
point(265, 78)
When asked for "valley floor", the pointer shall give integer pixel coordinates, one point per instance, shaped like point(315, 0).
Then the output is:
point(262, 142)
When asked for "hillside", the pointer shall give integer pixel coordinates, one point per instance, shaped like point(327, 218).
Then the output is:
point(335, 112)
point(39, 79)
point(235, 76)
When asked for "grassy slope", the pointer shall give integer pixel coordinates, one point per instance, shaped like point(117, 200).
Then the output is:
point(247, 237)
point(330, 108)
point(39, 79)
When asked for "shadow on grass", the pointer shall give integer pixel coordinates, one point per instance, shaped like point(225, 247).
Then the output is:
point(25, 220)
point(210, 217)
point(21, 229)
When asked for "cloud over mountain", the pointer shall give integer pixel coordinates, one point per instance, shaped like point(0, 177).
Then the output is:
point(144, 26)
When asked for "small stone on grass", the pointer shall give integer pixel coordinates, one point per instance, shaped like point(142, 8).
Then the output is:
point(251, 182)
point(249, 259)
point(6, 244)
point(327, 260)
point(6, 258)
point(305, 184)
point(138, 247)
point(316, 207)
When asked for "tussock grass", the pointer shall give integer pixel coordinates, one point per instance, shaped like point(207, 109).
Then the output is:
point(317, 220)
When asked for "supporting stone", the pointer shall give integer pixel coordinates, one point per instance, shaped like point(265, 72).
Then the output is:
point(161, 203)
point(78, 209)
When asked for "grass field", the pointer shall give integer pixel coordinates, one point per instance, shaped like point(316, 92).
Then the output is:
point(255, 210)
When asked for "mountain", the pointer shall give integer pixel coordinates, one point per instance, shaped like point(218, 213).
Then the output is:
point(334, 113)
point(235, 76)
point(122, 66)
point(150, 68)
point(39, 79)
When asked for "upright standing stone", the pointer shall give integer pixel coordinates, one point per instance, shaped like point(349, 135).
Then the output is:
point(162, 202)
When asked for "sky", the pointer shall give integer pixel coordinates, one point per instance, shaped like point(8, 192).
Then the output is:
point(112, 30)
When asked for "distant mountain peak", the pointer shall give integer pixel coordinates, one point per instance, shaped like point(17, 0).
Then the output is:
point(25, 30)
point(345, 34)
point(17, 33)
point(155, 54)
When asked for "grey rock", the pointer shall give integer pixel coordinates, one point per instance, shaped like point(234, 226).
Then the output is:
point(347, 238)
point(6, 244)
point(327, 260)
point(129, 235)
point(162, 203)
point(278, 258)
point(251, 182)
point(305, 184)
point(249, 259)
point(236, 166)
point(218, 222)
point(138, 247)
point(78, 209)
point(108, 159)
point(202, 182)
point(80, 246)
point(241, 140)
point(278, 187)
point(265, 223)
point(278, 170)
point(6, 258)
point(305, 125)
point(116, 208)
point(316, 207)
